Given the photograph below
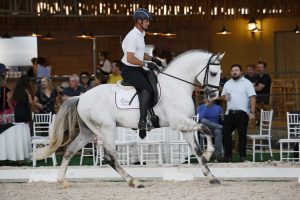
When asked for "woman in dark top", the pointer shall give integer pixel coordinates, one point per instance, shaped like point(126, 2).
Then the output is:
point(22, 100)
point(45, 99)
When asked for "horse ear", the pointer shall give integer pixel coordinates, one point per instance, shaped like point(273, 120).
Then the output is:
point(220, 57)
point(215, 58)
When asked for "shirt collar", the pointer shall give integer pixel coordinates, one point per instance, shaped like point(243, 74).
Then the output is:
point(138, 31)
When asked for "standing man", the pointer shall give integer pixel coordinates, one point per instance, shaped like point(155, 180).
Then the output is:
point(133, 62)
point(251, 74)
point(240, 96)
point(262, 86)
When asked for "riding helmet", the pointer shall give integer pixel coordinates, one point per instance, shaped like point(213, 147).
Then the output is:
point(142, 14)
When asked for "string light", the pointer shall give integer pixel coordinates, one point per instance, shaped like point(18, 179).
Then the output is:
point(163, 8)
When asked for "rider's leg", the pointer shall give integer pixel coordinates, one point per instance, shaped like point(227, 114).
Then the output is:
point(144, 99)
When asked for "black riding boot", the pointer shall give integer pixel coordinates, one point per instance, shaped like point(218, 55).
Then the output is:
point(144, 99)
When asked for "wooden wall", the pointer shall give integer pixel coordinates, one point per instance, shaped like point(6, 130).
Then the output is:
point(69, 54)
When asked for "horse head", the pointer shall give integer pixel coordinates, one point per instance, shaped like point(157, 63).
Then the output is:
point(210, 79)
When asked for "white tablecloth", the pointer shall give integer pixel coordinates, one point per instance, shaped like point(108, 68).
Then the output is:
point(15, 143)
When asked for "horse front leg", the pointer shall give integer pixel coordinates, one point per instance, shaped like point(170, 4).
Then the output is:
point(188, 128)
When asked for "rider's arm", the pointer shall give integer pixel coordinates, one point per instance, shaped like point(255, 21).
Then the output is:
point(147, 57)
point(133, 60)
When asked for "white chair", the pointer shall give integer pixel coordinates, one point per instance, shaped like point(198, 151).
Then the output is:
point(41, 125)
point(126, 143)
point(90, 151)
point(264, 134)
point(293, 127)
point(99, 152)
point(179, 149)
point(150, 148)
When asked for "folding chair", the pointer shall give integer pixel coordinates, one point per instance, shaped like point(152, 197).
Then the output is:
point(90, 151)
point(293, 127)
point(40, 138)
point(264, 134)
point(150, 148)
point(126, 143)
point(179, 149)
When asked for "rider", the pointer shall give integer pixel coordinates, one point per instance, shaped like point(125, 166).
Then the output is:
point(133, 62)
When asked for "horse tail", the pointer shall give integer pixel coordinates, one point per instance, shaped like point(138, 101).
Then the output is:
point(62, 130)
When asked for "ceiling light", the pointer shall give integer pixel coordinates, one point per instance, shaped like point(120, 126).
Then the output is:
point(224, 31)
point(296, 30)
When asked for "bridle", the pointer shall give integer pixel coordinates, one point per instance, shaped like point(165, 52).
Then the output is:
point(205, 84)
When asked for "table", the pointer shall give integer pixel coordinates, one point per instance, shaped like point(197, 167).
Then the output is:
point(15, 143)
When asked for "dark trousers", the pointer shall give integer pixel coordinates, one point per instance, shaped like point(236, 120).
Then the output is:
point(136, 76)
point(237, 120)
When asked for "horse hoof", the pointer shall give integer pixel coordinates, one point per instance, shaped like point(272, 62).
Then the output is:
point(64, 182)
point(136, 184)
point(214, 181)
point(140, 186)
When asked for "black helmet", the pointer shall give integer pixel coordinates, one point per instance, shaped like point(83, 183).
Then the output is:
point(142, 14)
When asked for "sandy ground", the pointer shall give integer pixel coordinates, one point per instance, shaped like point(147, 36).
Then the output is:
point(288, 189)
point(155, 190)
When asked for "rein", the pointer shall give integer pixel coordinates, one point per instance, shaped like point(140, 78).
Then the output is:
point(205, 81)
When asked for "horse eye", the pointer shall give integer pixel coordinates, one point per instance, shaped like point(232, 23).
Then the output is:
point(213, 73)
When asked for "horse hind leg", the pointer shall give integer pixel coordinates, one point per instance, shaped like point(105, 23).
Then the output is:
point(85, 136)
point(202, 158)
point(110, 157)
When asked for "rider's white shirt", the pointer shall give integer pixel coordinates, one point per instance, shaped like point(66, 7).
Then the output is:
point(134, 42)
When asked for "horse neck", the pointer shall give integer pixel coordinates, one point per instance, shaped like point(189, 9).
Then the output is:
point(185, 68)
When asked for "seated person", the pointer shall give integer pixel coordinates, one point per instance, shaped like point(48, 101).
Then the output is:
point(74, 88)
point(209, 115)
point(115, 75)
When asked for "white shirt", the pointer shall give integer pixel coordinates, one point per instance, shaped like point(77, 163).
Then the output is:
point(240, 91)
point(134, 42)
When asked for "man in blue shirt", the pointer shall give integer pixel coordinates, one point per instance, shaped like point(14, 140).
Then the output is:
point(209, 114)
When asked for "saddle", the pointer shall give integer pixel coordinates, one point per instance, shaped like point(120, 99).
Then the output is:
point(152, 78)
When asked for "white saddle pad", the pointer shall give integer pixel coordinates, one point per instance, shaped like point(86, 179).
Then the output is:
point(125, 97)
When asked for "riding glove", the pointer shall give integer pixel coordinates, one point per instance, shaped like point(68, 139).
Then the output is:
point(152, 66)
point(157, 61)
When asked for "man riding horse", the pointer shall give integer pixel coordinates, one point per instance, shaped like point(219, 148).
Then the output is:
point(133, 62)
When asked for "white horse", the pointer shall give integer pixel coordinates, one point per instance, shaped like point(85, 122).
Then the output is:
point(97, 115)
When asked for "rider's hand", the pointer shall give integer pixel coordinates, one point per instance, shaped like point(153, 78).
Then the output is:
point(157, 62)
point(152, 66)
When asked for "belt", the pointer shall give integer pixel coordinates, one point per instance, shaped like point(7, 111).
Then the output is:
point(236, 111)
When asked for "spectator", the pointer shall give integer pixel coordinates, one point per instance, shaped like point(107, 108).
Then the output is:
point(5, 94)
point(22, 100)
point(32, 72)
point(43, 68)
point(98, 78)
point(251, 74)
point(74, 88)
point(157, 53)
point(262, 86)
point(115, 75)
point(85, 80)
point(210, 114)
point(105, 64)
point(45, 99)
point(238, 92)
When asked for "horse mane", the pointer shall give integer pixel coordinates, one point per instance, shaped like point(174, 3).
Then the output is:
point(185, 53)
